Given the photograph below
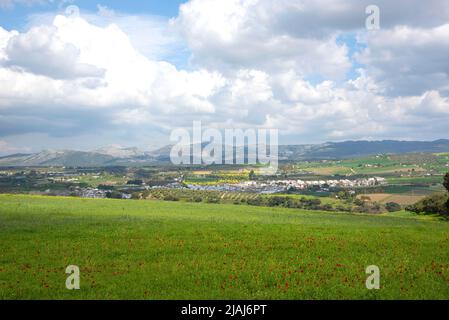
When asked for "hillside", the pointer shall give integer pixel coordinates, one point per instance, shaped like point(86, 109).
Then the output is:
point(356, 149)
point(167, 250)
point(113, 156)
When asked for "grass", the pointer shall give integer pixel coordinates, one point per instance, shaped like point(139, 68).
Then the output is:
point(387, 165)
point(106, 179)
point(176, 250)
point(415, 180)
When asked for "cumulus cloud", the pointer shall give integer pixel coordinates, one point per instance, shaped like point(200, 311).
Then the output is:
point(408, 60)
point(313, 18)
point(4, 39)
point(284, 35)
point(250, 63)
point(42, 51)
point(130, 81)
point(233, 34)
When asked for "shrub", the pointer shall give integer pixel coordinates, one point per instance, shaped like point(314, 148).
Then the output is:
point(434, 204)
point(446, 181)
point(343, 208)
point(212, 200)
point(136, 195)
point(135, 182)
point(105, 187)
point(255, 202)
point(276, 201)
point(369, 207)
point(393, 207)
point(446, 185)
point(113, 195)
point(344, 195)
point(291, 203)
point(170, 198)
point(311, 204)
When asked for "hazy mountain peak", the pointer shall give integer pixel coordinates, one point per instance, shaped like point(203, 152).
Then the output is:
point(118, 151)
point(129, 156)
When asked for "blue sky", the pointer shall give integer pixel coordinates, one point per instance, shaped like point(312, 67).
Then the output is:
point(131, 75)
point(15, 16)
point(18, 16)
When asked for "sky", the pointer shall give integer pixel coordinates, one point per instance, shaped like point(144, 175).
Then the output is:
point(87, 74)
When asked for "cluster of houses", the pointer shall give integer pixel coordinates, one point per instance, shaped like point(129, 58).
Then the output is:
point(89, 192)
point(323, 184)
point(94, 193)
point(276, 186)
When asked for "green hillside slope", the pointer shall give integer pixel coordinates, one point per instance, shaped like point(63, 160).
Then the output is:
point(164, 250)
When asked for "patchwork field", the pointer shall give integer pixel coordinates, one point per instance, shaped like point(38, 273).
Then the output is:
point(177, 250)
point(402, 199)
point(414, 167)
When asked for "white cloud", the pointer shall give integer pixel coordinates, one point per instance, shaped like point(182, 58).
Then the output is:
point(130, 81)
point(407, 60)
point(5, 36)
point(237, 34)
point(44, 44)
point(112, 77)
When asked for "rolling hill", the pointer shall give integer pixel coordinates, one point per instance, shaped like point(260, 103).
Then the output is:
point(114, 156)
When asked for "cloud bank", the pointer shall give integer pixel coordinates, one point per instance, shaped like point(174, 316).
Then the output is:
point(308, 68)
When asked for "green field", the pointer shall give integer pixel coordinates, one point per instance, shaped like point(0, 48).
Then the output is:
point(392, 166)
point(177, 250)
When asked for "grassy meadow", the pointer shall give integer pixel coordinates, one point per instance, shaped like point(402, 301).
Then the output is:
point(176, 250)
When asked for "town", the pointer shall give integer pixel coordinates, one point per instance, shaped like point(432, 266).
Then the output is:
point(279, 186)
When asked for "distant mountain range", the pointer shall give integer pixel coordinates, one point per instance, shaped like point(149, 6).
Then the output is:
point(117, 156)
point(357, 149)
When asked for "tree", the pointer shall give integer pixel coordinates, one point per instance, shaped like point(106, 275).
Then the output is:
point(252, 175)
point(275, 201)
point(446, 181)
point(114, 195)
point(446, 185)
point(212, 199)
point(105, 187)
point(135, 182)
point(344, 195)
point(255, 202)
point(433, 204)
point(170, 197)
point(197, 199)
point(136, 195)
point(393, 207)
